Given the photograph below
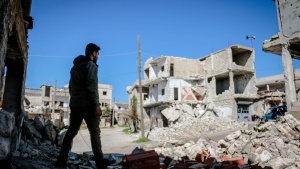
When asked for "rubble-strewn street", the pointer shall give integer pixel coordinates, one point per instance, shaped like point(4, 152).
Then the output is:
point(274, 144)
point(189, 111)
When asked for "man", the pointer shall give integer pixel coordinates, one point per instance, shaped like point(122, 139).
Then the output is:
point(84, 104)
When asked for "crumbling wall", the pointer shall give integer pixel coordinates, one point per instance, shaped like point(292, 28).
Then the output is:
point(289, 14)
point(14, 22)
point(244, 59)
point(161, 68)
point(194, 68)
point(222, 84)
point(244, 84)
point(163, 93)
point(217, 63)
point(13, 53)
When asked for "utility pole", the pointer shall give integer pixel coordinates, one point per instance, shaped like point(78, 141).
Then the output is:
point(140, 88)
point(113, 114)
point(53, 101)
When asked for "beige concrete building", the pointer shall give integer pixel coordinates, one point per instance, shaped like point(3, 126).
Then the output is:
point(42, 101)
point(271, 91)
point(105, 95)
point(230, 81)
point(223, 81)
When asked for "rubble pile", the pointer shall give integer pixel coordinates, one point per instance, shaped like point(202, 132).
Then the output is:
point(7, 122)
point(35, 146)
point(275, 145)
point(194, 128)
point(180, 112)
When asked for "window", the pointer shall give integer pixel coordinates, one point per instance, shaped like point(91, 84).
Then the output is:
point(162, 91)
point(145, 96)
point(47, 91)
point(162, 68)
point(172, 69)
point(175, 93)
point(104, 93)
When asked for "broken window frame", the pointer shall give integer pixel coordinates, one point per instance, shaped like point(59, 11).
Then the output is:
point(162, 92)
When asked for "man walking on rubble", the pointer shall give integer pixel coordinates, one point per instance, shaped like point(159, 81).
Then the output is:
point(84, 104)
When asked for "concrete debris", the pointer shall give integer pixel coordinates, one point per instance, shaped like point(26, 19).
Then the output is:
point(7, 122)
point(193, 128)
point(272, 144)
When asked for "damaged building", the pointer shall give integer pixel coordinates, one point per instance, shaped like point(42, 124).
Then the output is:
point(15, 21)
point(49, 103)
point(223, 82)
point(271, 92)
point(230, 77)
point(170, 81)
point(53, 103)
point(286, 43)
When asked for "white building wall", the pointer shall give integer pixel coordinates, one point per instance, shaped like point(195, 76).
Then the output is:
point(162, 85)
point(177, 83)
point(153, 93)
point(152, 74)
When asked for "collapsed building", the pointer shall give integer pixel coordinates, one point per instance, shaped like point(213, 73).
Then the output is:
point(169, 80)
point(222, 82)
point(271, 92)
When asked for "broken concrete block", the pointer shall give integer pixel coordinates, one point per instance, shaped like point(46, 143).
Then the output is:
point(265, 156)
point(188, 109)
point(168, 145)
point(30, 130)
point(253, 158)
point(50, 132)
point(281, 163)
point(170, 114)
point(233, 136)
point(7, 123)
point(4, 147)
point(38, 124)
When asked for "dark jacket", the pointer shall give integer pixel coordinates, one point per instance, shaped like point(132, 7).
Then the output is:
point(83, 85)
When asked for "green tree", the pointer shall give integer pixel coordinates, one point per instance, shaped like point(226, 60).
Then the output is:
point(106, 111)
point(134, 115)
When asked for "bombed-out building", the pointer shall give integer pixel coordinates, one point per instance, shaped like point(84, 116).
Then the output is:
point(171, 80)
point(223, 81)
point(286, 43)
point(230, 82)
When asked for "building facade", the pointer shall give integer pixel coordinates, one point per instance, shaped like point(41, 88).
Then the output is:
point(230, 77)
point(53, 104)
point(223, 81)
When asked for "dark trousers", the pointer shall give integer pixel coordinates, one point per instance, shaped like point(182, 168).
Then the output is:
point(92, 121)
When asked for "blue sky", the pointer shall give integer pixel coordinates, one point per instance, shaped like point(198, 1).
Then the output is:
point(181, 28)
